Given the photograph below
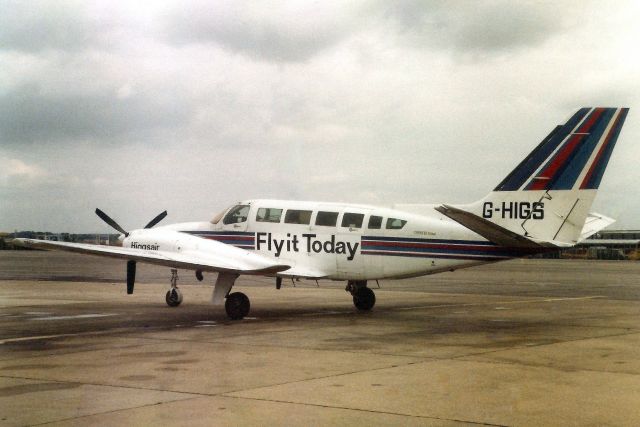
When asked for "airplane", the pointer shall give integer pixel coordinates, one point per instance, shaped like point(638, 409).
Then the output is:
point(541, 206)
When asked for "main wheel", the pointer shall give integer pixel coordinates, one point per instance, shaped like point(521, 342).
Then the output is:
point(237, 305)
point(364, 299)
point(173, 297)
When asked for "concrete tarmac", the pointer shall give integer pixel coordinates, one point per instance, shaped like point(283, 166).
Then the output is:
point(524, 342)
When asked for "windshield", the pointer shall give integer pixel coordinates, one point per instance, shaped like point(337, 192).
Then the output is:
point(237, 214)
point(216, 219)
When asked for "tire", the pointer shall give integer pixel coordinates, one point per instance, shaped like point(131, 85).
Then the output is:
point(237, 305)
point(173, 297)
point(364, 299)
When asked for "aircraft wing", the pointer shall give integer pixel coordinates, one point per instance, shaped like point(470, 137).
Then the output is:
point(226, 258)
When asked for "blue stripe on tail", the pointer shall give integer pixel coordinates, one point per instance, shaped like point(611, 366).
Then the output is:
point(593, 178)
point(532, 162)
point(566, 177)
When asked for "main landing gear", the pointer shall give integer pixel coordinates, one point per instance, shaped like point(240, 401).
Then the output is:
point(174, 296)
point(237, 305)
point(363, 298)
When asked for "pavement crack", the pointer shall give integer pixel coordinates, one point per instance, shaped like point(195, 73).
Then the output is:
point(371, 411)
point(113, 411)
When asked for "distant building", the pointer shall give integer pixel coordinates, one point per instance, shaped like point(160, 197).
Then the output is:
point(607, 244)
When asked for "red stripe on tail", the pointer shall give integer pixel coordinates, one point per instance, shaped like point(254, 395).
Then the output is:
point(561, 157)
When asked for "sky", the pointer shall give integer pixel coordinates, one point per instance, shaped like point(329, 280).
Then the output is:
point(191, 106)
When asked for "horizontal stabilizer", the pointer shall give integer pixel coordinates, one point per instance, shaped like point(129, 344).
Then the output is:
point(489, 230)
point(594, 223)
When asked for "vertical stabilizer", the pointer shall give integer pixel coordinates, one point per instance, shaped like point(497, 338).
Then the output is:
point(547, 197)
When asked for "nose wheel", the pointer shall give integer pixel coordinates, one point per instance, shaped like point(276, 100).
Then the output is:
point(173, 296)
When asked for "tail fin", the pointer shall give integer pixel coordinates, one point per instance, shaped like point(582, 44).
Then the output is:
point(546, 199)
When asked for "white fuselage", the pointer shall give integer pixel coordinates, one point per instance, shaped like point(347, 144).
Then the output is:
point(334, 241)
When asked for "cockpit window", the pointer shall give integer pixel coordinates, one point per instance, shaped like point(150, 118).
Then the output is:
point(268, 215)
point(395, 223)
point(236, 214)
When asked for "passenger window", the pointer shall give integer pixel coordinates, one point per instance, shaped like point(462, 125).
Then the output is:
point(295, 216)
point(236, 215)
point(375, 222)
point(268, 215)
point(327, 219)
point(395, 223)
point(353, 220)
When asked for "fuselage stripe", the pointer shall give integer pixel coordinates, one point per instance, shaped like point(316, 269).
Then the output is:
point(240, 239)
point(405, 245)
point(437, 250)
point(436, 255)
point(426, 241)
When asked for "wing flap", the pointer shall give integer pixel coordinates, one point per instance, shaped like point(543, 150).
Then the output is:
point(303, 273)
point(251, 263)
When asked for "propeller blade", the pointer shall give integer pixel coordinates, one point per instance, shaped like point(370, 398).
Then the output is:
point(156, 220)
point(103, 216)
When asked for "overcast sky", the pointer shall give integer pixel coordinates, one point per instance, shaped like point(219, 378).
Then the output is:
point(191, 106)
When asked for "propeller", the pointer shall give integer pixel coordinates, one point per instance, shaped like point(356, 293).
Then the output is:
point(131, 264)
point(156, 220)
point(106, 218)
point(103, 216)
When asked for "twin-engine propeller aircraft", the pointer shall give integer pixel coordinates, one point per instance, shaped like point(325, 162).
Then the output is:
point(543, 205)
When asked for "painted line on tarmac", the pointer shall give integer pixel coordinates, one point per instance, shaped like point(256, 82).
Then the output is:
point(326, 313)
point(574, 298)
point(474, 304)
point(76, 334)
point(43, 337)
point(77, 316)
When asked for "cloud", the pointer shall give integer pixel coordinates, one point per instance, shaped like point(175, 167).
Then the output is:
point(30, 114)
point(281, 31)
point(190, 106)
point(15, 172)
point(34, 26)
point(471, 27)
